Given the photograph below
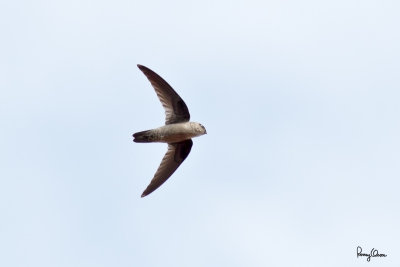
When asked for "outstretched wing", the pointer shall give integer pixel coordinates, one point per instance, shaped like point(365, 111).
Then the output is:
point(175, 108)
point(176, 154)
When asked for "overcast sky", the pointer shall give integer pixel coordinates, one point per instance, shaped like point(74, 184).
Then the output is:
point(300, 165)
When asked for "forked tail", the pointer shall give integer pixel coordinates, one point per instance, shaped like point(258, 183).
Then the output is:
point(143, 137)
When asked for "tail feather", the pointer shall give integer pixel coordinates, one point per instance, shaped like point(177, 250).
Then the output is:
point(143, 137)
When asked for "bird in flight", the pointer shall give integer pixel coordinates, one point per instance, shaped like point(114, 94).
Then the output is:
point(177, 132)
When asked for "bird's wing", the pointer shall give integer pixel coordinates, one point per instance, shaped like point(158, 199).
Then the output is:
point(176, 154)
point(175, 108)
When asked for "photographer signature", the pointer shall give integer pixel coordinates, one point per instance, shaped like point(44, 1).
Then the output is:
point(374, 253)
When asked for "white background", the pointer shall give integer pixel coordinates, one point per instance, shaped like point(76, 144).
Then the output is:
point(299, 167)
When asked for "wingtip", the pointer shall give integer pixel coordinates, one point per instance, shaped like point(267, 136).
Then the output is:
point(141, 67)
point(144, 69)
point(143, 195)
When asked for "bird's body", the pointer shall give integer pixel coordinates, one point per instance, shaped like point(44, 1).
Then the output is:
point(170, 133)
point(177, 131)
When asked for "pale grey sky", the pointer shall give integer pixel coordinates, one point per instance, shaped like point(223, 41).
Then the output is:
point(299, 167)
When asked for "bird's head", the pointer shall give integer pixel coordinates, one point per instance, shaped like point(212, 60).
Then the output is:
point(199, 129)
